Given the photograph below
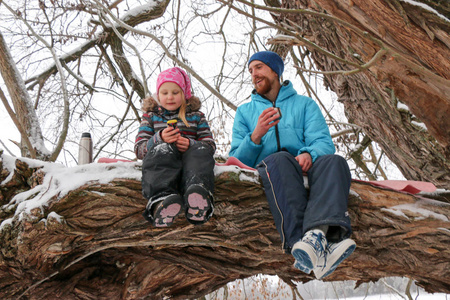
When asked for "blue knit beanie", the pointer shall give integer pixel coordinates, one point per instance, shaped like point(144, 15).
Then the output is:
point(273, 60)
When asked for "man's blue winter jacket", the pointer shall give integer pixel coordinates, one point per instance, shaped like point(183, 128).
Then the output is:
point(301, 129)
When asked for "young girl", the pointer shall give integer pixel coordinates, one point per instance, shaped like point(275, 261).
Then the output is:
point(178, 162)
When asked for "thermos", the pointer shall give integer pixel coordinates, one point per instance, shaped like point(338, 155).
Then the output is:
point(85, 149)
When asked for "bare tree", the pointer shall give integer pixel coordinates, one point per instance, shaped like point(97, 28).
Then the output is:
point(108, 48)
point(86, 64)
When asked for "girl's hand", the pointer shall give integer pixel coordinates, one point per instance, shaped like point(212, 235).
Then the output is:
point(182, 144)
point(170, 135)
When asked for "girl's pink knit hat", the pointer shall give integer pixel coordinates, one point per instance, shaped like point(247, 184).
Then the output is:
point(178, 76)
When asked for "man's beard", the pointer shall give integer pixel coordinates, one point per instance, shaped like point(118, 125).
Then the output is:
point(263, 87)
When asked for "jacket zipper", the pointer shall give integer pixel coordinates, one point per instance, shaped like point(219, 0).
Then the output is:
point(277, 134)
point(278, 207)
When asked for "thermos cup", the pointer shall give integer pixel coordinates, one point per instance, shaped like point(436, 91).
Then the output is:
point(85, 149)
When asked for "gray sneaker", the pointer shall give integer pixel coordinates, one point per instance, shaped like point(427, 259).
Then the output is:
point(335, 253)
point(309, 250)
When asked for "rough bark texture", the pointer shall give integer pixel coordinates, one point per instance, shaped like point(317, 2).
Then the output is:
point(104, 249)
point(415, 72)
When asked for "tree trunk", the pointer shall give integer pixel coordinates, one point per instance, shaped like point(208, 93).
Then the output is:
point(414, 72)
point(93, 242)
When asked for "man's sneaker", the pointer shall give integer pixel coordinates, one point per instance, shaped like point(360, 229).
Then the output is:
point(335, 253)
point(301, 267)
point(309, 250)
point(199, 204)
point(162, 213)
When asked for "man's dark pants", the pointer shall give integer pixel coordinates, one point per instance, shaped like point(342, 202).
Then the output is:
point(297, 209)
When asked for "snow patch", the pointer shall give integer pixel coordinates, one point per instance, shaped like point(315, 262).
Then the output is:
point(98, 193)
point(415, 208)
point(420, 125)
point(426, 7)
point(402, 106)
point(395, 212)
point(388, 220)
point(57, 217)
point(437, 192)
point(5, 223)
point(353, 193)
point(244, 175)
point(60, 180)
point(139, 9)
point(222, 169)
point(9, 163)
point(444, 229)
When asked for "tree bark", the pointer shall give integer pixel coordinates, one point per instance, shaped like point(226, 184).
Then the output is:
point(415, 73)
point(101, 247)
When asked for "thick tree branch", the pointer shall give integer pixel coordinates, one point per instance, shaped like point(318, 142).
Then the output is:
point(96, 234)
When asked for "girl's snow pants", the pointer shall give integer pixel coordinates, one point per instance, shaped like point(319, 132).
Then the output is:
point(166, 171)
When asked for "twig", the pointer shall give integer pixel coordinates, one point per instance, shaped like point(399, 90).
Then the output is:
point(6, 148)
point(173, 57)
point(66, 112)
point(392, 288)
point(395, 54)
point(305, 41)
point(363, 67)
point(16, 121)
point(144, 82)
point(78, 78)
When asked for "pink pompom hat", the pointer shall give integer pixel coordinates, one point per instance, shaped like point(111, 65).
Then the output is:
point(178, 76)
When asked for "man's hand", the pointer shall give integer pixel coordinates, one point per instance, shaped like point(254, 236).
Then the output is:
point(305, 161)
point(170, 134)
point(182, 144)
point(266, 120)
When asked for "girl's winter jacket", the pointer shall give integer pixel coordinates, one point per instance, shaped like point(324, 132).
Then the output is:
point(302, 128)
point(155, 119)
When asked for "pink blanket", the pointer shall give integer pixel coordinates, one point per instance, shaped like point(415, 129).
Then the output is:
point(409, 186)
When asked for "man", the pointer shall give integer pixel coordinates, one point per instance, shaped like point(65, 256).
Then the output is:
point(284, 145)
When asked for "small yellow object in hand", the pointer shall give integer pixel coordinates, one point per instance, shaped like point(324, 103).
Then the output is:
point(172, 123)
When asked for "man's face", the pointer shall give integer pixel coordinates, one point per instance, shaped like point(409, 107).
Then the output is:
point(263, 77)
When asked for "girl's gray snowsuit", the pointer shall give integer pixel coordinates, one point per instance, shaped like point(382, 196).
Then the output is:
point(166, 171)
point(296, 209)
